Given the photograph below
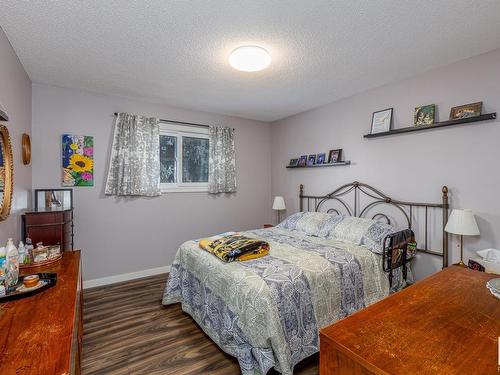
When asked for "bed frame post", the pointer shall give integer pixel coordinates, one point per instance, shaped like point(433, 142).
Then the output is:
point(301, 193)
point(445, 220)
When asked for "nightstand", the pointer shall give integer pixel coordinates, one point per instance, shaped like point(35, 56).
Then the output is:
point(268, 225)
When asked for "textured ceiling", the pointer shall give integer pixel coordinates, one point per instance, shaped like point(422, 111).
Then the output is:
point(176, 52)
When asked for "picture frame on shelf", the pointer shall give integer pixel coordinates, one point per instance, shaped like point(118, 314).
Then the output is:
point(293, 162)
point(381, 121)
point(334, 156)
point(424, 115)
point(466, 111)
point(302, 161)
point(320, 159)
point(311, 160)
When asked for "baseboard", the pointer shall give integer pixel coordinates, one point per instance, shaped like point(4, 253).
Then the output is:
point(124, 277)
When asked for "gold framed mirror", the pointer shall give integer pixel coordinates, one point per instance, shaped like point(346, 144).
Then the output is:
point(6, 173)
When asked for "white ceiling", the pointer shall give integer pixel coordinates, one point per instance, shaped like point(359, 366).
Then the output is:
point(176, 51)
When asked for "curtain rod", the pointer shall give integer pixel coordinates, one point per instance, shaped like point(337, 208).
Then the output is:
point(181, 122)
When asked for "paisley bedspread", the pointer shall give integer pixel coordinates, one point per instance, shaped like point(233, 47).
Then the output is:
point(267, 312)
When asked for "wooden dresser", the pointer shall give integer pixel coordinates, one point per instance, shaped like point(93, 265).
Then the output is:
point(448, 323)
point(52, 227)
point(42, 334)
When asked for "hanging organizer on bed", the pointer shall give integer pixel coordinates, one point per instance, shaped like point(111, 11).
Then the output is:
point(399, 249)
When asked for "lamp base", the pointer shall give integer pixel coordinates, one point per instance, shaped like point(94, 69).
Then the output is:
point(461, 264)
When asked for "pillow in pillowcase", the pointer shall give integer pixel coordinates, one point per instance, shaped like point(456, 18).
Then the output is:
point(312, 223)
point(362, 231)
point(290, 222)
point(373, 239)
point(329, 225)
point(351, 229)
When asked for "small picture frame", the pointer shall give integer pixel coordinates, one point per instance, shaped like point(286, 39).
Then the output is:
point(302, 161)
point(311, 160)
point(320, 159)
point(293, 162)
point(424, 115)
point(381, 121)
point(466, 111)
point(334, 156)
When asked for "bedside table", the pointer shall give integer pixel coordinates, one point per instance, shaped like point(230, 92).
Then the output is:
point(268, 225)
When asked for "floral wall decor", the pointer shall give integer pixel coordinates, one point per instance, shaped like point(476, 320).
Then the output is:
point(77, 160)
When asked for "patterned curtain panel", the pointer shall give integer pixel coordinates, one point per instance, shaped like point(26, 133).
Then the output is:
point(222, 166)
point(134, 168)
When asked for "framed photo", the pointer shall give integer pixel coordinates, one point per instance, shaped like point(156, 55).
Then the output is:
point(424, 115)
point(466, 111)
point(381, 121)
point(302, 161)
point(293, 162)
point(334, 156)
point(321, 158)
point(311, 160)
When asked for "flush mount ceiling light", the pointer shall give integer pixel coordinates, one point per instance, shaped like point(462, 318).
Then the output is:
point(250, 58)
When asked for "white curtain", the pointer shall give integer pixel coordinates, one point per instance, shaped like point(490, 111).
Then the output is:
point(134, 168)
point(222, 166)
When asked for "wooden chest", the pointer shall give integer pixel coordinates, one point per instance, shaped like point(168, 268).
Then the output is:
point(448, 323)
point(49, 227)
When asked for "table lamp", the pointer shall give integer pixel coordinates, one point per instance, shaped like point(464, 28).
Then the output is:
point(463, 223)
point(279, 205)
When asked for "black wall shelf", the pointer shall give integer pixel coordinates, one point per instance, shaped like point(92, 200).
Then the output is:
point(442, 124)
point(345, 162)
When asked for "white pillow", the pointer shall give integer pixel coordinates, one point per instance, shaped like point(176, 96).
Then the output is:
point(361, 231)
point(351, 229)
point(312, 222)
point(317, 224)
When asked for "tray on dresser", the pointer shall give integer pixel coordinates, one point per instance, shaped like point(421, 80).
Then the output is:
point(47, 280)
point(27, 267)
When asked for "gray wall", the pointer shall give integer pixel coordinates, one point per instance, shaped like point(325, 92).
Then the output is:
point(15, 98)
point(412, 166)
point(126, 235)
point(120, 235)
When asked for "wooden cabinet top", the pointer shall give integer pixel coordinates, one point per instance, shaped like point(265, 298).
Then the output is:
point(36, 332)
point(448, 323)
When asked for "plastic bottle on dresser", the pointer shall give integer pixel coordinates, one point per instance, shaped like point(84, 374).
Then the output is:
point(3, 265)
point(12, 271)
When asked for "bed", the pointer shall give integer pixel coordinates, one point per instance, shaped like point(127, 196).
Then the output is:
point(323, 265)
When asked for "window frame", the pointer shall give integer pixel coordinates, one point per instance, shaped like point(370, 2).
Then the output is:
point(177, 130)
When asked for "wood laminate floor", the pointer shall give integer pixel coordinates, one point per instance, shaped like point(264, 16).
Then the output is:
point(126, 330)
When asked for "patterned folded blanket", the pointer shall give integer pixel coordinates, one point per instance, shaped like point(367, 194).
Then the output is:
point(235, 247)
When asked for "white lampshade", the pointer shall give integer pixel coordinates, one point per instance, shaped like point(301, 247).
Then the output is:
point(279, 203)
point(462, 222)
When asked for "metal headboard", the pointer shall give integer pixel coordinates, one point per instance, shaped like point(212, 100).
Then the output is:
point(354, 207)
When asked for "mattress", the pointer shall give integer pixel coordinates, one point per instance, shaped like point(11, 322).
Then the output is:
point(267, 312)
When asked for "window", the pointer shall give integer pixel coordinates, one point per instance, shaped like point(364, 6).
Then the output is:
point(183, 158)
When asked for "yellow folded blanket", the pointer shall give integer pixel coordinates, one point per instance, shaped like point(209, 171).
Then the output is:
point(235, 247)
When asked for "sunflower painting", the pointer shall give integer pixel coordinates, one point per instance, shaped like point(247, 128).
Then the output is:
point(77, 160)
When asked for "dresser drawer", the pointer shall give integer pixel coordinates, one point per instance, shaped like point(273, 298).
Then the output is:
point(44, 218)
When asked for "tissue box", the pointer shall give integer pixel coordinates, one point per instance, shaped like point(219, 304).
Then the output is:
point(490, 267)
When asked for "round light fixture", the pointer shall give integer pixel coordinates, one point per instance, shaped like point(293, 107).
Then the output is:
point(250, 58)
